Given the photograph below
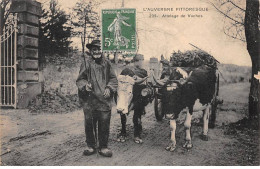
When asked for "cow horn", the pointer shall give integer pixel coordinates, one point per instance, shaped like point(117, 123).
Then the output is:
point(139, 81)
point(190, 74)
point(161, 82)
point(176, 81)
point(182, 80)
point(131, 107)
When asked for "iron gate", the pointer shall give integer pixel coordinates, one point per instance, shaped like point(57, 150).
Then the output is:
point(8, 62)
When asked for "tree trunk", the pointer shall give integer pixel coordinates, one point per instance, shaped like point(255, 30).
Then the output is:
point(252, 39)
point(254, 95)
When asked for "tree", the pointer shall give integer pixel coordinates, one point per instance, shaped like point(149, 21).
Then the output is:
point(85, 21)
point(242, 23)
point(252, 39)
point(55, 31)
point(4, 13)
point(234, 17)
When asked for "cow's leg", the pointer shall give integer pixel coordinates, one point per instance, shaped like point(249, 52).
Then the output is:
point(138, 124)
point(115, 97)
point(187, 125)
point(206, 123)
point(172, 144)
point(122, 135)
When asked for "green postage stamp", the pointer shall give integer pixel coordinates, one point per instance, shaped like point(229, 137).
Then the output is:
point(119, 30)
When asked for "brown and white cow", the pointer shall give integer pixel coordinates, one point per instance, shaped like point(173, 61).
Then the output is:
point(189, 91)
point(129, 98)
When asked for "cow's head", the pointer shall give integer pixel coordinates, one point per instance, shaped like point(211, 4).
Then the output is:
point(173, 83)
point(173, 77)
point(125, 92)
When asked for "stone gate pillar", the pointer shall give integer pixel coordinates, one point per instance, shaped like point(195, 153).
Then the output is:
point(29, 77)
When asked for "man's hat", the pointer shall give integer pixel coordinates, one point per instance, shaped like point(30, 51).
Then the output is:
point(138, 57)
point(96, 43)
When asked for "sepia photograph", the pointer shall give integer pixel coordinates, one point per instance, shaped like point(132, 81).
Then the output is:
point(129, 83)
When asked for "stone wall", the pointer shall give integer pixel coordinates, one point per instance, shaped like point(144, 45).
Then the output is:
point(29, 76)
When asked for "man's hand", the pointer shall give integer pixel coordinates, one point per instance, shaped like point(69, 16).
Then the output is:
point(88, 87)
point(107, 93)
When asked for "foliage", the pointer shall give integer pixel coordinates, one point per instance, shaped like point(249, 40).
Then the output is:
point(55, 32)
point(4, 13)
point(193, 58)
point(233, 12)
point(85, 21)
point(243, 18)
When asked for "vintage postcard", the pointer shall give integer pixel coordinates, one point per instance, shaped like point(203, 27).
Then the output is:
point(129, 83)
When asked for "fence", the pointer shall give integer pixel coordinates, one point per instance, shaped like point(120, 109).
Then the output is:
point(8, 64)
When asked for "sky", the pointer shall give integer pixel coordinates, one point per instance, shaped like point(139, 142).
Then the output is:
point(160, 35)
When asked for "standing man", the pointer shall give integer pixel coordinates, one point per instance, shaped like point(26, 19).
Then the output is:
point(96, 83)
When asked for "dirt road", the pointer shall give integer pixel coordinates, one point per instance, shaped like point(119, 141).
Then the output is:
point(58, 139)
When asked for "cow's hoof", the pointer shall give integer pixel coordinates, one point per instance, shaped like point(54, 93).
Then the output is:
point(171, 147)
point(187, 145)
point(138, 140)
point(211, 125)
point(121, 138)
point(204, 137)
